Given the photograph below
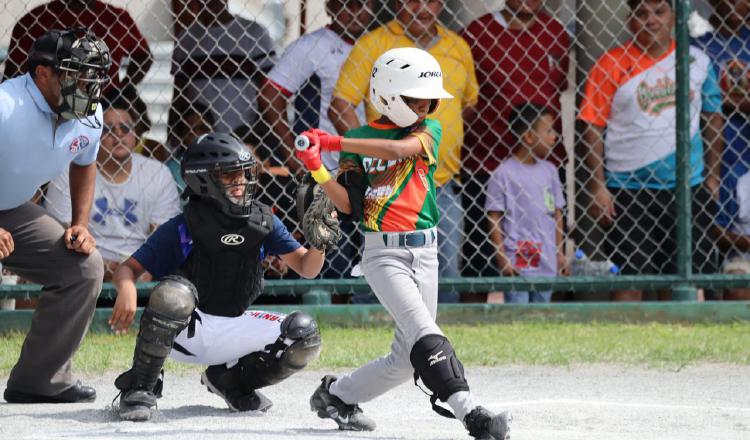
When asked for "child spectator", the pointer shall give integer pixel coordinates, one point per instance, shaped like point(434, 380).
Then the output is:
point(525, 201)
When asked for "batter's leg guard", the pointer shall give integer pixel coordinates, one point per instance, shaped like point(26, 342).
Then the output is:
point(169, 309)
point(327, 406)
point(435, 362)
point(297, 345)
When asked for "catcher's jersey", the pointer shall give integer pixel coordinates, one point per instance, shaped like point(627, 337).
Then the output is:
point(400, 194)
point(170, 245)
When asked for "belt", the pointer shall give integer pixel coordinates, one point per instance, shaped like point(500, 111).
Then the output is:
point(401, 239)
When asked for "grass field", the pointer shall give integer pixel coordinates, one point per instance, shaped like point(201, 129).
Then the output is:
point(651, 345)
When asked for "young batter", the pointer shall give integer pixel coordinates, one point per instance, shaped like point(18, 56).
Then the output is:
point(386, 182)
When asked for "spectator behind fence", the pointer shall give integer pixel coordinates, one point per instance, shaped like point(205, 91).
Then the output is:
point(311, 81)
point(630, 92)
point(525, 201)
point(416, 25)
point(521, 55)
point(133, 194)
point(735, 240)
point(47, 124)
point(221, 60)
point(113, 25)
point(191, 121)
point(729, 48)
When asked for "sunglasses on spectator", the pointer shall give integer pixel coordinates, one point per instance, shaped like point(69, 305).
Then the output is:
point(124, 128)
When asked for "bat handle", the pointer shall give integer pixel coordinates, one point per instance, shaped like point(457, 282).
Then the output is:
point(301, 143)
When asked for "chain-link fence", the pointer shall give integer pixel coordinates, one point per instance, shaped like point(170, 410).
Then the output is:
point(558, 151)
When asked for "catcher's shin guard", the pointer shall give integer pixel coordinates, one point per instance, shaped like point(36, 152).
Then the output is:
point(297, 345)
point(169, 308)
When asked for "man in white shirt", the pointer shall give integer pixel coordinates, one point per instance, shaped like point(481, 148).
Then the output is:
point(310, 81)
point(133, 194)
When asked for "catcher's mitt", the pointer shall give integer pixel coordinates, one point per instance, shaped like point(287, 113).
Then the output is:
point(320, 222)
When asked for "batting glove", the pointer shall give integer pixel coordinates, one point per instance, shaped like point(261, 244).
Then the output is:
point(328, 141)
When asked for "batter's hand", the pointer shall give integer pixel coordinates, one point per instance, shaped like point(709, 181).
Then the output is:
point(79, 239)
point(123, 313)
point(328, 141)
point(6, 243)
point(311, 156)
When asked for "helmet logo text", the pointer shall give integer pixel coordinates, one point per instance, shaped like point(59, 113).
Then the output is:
point(430, 74)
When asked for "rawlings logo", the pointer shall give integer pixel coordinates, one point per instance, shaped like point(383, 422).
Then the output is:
point(232, 239)
point(78, 144)
point(244, 155)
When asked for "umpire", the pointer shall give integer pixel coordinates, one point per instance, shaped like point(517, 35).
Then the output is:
point(49, 120)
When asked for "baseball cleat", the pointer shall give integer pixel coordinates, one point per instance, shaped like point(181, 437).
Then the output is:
point(483, 425)
point(235, 399)
point(328, 406)
point(136, 405)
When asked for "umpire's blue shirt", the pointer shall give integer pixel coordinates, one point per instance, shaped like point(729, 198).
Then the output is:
point(34, 146)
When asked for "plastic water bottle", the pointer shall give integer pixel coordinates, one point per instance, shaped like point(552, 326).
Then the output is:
point(582, 266)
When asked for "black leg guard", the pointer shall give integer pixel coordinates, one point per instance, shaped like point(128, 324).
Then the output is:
point(436, 363)
point(282, 358)
point(169, 309)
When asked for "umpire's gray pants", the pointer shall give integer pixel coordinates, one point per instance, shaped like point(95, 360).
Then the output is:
point(72, 282)
point(405, 280)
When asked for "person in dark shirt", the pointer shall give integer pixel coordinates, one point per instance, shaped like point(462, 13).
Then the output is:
point(209, 261)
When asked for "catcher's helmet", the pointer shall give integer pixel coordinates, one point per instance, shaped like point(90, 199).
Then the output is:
point(82, 60)
point(405, 71)
point(213, 155)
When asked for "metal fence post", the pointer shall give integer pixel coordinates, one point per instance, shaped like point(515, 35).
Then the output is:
point(683, 291)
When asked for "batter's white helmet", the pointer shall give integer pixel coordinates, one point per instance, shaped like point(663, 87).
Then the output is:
point(405, 71)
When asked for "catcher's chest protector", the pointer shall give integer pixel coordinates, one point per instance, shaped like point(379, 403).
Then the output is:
point(225, 263)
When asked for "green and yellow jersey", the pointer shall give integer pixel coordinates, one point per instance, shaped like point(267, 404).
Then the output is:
point(400, 194)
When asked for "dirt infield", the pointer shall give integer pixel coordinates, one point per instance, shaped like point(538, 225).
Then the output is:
point(602, 402)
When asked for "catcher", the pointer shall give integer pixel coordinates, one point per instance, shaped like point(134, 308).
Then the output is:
point(208, 260)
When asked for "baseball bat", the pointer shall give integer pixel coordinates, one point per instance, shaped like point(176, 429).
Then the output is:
point(301, 142)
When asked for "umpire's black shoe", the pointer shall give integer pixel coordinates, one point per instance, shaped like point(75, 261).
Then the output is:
point(224, 382)
point(327, 406)
point(75, 394)
point(483, 425)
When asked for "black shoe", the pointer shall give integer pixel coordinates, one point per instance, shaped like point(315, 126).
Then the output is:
point(327, 406)
point(136, 405)
point(225, 383)
point(483, 425)
point(75, 394)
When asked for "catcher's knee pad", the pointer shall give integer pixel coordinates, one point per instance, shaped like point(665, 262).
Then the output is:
point(169, 309)
point(435, 362)
point(297, 345)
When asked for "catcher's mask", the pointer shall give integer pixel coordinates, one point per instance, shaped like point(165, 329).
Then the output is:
point(219, 167)
point(82, 62)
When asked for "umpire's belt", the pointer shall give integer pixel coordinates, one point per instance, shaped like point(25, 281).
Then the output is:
point(425, 237)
